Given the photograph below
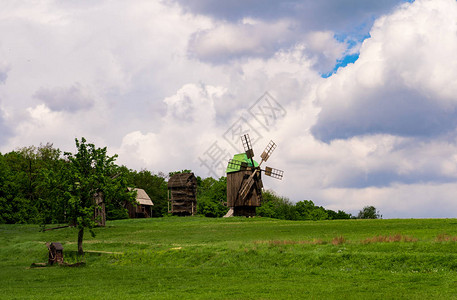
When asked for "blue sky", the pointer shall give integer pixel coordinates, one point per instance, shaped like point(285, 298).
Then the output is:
point(360, 96)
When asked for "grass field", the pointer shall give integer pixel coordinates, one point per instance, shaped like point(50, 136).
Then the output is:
point(236, 258)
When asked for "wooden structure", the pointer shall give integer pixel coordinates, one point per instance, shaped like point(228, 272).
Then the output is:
point(244, 182)
point(55, 253)
point(143, 206)
point(99, 210)
point(182, 194)
point(242, 206)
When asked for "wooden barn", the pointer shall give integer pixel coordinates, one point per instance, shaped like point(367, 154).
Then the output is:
point(182, 194)
point(143, 206)
point(236, 176)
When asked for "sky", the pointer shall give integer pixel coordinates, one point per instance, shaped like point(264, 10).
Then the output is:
point(360, 96)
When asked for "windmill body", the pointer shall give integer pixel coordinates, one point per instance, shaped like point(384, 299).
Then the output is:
point(244, 180)
point(236, 176)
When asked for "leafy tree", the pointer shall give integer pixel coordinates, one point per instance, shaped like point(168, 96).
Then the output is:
point(17, 190)
point(277, 207)
point(305, 209)
point(308, 211)
point(369, 212)
point(91, 171)
point(211, 196)
point(338, 215)
point(24, 190)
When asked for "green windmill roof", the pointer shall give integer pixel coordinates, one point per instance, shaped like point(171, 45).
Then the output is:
point(242, 157)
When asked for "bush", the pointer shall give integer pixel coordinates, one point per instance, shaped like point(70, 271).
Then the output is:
point(369, 212)
point(212, 194)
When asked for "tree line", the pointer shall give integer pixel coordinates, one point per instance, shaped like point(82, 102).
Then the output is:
point(42, 185)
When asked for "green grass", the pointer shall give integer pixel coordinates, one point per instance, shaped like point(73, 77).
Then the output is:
point(236, 258)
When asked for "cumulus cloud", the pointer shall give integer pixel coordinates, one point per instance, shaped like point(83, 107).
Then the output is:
point(422, 200)
point(244, 39)
point(404, 82)
point(257, 39)
point(312, 15)
point(324, 50)
point(5, 131)
point(187, 127)
point(4, 68)
point(115, 69)
point(69, 99)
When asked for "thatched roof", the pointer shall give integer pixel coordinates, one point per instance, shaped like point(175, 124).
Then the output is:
point(141, 197)
point(182, 180)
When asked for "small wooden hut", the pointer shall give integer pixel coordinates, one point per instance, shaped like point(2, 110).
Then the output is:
point(55, 253)
point(182, 194)
point(143, 206)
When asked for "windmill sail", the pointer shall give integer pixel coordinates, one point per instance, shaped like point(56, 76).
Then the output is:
point(275, 173)
point(247, 186)
point(237, 165)
point(247, 145)
point(268, 150)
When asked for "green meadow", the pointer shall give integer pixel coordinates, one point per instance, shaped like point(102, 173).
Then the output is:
point(236, 258)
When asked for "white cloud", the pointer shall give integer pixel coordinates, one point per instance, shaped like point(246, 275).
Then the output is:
point(334, 15)
point(122, 58)
point(404, 82)
point(68, 99)
point(4, 68)
point(397, 201)
point(324, 49)
point(250, 37)
point(186, 128)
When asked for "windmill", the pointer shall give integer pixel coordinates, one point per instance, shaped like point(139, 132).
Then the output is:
point(244, 179)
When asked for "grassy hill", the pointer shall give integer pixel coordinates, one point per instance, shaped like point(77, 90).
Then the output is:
point(236, 258)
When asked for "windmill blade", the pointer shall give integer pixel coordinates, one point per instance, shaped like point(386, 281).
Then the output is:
point(247, 146)
point(275, 173)
point(258, 187)
point(236, 164)
point(247, 185)
point(268, 150)
point(245, 188)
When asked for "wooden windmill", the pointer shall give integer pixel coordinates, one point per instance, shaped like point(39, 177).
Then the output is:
point(244, 181)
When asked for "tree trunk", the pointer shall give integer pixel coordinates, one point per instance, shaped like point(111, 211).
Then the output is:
point(80, 241)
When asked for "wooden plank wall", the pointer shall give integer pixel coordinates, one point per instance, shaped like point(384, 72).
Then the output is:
point(234, 182)
point(183, 200)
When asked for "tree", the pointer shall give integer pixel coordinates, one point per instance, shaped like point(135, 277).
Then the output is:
point(211, 195)
point(91, 171)
point(274, 206)
point(369, 212)
point(338, 215)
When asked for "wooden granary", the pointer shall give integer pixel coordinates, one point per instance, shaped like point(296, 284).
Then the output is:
point(142, 206)
point(182, 194)
point(55, 253)
point(244, 182)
